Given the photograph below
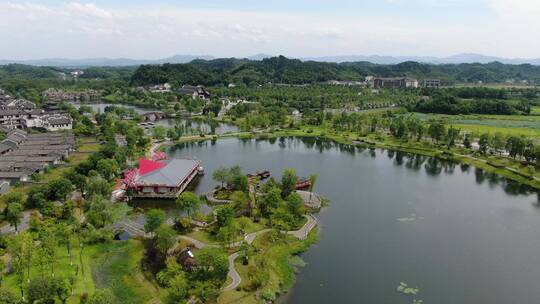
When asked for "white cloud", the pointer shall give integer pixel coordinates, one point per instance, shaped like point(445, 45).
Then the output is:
point(77, 29)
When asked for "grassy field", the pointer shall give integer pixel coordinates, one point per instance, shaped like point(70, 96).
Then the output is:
point(114, 265)
point(518, 125)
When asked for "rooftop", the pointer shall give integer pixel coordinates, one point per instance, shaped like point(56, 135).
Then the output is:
point(171, 173)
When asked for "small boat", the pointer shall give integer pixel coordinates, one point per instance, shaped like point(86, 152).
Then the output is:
point(200, 170)
point(303, 183)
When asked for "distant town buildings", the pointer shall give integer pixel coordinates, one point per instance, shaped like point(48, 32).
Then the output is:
point(57, 95)
point(346, 83)
point(432, 83)
point(76, 73)
point(395, 83)
point(161, 88)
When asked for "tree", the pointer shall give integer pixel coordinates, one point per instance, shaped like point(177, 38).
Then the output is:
point(41, 290)
point(483, 142)
point(515, 146)
point(229, 233)
point(171, 270)
point(498, 142)
point(288, 182)
point(97, 186)
point(14, 197)
point(6, 297)
point(164, 239)
point(107, 168)
point(154, 219)
point(99, 213)
point(269, 200)
point(63, 290)
point(13, 214)
point(221, 175)
point(212, 264)
point(178, 289)
point(59, 189)
point(37, 197)
point(224, 216)
point(295, 204)
point(436, 130)
point(188, 202)
point(452, 134)
point(467, 141)
point(159, 132)
point(102, 296)
point(240, 200)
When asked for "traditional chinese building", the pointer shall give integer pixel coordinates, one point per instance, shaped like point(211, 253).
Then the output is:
point(164, 179)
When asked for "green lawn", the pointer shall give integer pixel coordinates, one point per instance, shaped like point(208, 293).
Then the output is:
point(526, 125)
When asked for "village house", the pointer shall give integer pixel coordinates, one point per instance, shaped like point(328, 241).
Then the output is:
point(194, 91)
point(25, 154)
point(22, 114)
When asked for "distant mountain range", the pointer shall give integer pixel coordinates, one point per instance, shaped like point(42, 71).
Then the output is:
point(111, 62)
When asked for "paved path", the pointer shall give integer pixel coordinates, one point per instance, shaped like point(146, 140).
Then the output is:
point(303, 232)
point(233, 274)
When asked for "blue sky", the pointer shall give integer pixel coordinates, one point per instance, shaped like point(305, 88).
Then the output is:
point(153, 29)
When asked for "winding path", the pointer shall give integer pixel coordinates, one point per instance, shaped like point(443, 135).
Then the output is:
point(300, 234)
point(233, 274)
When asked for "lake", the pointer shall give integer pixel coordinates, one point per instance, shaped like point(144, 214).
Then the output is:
point(458, 234)
point(194, 125)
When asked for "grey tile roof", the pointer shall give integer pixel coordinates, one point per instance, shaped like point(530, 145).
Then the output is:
point(19, 174)
point(4, 148)
point(171, 175)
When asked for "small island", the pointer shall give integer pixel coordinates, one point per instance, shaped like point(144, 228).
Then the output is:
point(243, 251)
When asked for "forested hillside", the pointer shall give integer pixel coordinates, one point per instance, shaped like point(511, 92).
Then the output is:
point(293, 71)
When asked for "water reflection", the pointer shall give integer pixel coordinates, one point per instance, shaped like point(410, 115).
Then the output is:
point(432, 166)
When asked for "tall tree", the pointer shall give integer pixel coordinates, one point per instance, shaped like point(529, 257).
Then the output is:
point(288, 182)
point(154, 219)
point(188, 202)
point(221, 175)
point(164, 239)
point(13, 214)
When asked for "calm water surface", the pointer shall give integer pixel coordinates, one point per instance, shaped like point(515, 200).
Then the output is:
point(220, 128)
point(456, 233)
